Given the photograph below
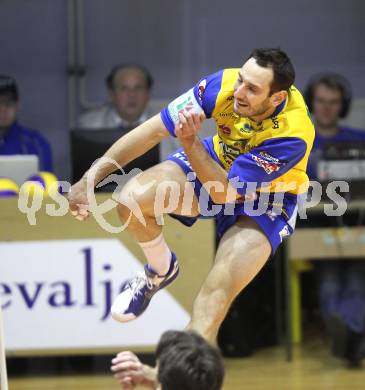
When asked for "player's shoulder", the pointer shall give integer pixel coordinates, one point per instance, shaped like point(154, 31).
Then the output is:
point(294, 119)
point(231, 73)
point(220, 83)
point(229, 77)
point(295, 98)
point(223, 77)
point(295, 107)
point(216, 89)
point(208, 91)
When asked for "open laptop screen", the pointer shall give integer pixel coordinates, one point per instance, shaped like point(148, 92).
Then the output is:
point(343, 161)
point(18, 167)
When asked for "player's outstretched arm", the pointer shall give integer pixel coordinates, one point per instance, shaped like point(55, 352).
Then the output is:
point(134, 144)
point(127, 148)
point(130, 372)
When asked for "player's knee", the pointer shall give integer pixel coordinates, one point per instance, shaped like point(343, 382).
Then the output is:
point(124, 211)
point(151, 194)
point(132, 200)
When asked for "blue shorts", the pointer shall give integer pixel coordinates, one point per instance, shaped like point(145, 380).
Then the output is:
point(275, 213)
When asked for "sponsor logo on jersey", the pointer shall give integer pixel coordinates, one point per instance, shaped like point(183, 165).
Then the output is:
point(225, 129)
point(182, 157)
point(246, 128)
point(227, 114)
point(271, 214)
point(185, 102)
point(269, 157)
point(267, 165)
point(275, 123)
point(230, 151)
point(201, 88)
point(284, 232)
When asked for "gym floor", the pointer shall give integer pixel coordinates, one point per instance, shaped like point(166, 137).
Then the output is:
point(312, 368)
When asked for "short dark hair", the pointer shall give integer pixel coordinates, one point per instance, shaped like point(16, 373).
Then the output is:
point(187, 362)
point(9, 87)
point(278, 60)
point(109, 81)
point(333, 81)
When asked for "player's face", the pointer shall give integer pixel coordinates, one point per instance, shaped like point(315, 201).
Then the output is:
point(8, 111)
point(327, 105)
point(130, 93)
point(252, 90)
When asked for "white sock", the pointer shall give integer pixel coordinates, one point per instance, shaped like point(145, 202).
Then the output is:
point(158, 254)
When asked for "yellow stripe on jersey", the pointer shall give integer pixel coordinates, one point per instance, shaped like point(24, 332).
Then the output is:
point(237, 135)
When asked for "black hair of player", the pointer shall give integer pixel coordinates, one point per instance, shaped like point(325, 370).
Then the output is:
point(186, 361)
point(280, 63)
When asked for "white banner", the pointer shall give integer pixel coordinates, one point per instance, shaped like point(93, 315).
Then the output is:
point(57, 295)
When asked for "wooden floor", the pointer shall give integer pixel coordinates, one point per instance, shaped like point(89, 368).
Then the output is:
point(312, 369)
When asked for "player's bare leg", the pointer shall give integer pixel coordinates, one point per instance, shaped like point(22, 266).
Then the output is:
point(152, 181)
point(242, 252)
point(161, 189)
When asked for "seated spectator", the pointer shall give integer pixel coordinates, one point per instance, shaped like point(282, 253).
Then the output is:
point(185, 361)
point(341, 283)
point(328, 98)
point(15, 138)
point(129, 87)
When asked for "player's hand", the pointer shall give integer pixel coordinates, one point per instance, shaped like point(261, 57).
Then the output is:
point(189, 125)
point(77, 200)
point(130, 372)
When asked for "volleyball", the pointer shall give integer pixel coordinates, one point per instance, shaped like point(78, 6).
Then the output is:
point(8, 187)
point(32, 188)
point(46, 180)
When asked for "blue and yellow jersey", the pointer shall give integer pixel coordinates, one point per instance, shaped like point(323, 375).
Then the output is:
point(273, 153)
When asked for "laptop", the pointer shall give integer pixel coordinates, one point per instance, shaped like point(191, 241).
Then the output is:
point(18, 167)
point(344, 161)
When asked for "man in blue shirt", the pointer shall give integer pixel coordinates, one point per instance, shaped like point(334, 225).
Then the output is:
point(341, 283)
point(14, 138)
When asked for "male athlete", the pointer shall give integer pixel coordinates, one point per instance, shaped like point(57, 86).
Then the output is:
point(251, 171)
point(185, 361)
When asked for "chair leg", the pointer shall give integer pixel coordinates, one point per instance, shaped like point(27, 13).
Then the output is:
point(288, 306)
point(296, 267)
point(295, 303)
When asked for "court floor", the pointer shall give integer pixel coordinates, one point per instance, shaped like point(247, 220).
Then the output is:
point(313, 368)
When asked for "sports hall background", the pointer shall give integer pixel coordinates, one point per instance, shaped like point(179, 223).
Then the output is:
point(179, 41)
point(43, 45)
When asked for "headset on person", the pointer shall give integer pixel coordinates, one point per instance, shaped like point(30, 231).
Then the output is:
point(333, 81)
